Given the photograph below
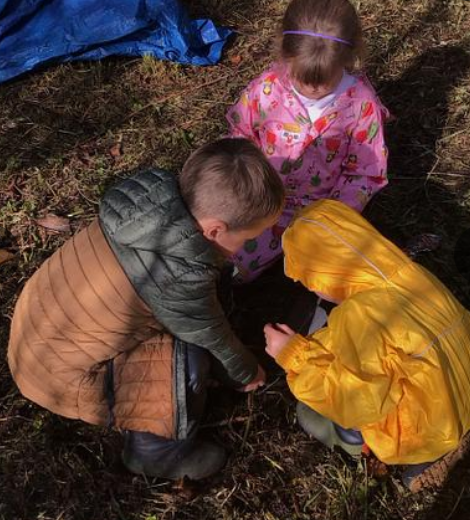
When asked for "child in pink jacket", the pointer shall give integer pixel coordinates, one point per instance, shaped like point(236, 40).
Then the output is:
point(320, 125)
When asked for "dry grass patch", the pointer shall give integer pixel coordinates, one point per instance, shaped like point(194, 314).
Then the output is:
point(68, 132)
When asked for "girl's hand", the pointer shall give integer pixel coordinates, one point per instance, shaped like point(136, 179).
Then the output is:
point(277, 336)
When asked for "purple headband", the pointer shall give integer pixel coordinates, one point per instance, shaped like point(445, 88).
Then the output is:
point(320, 35)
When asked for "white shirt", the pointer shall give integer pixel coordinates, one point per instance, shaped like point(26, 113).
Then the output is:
point(315, 107)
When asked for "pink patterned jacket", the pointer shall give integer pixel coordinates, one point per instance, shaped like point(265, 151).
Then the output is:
point(341, 155)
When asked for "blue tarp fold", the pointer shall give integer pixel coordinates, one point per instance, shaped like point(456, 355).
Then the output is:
point(38, 32)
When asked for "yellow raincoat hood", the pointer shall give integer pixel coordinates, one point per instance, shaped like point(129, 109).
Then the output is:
point(345, 253)
point(394, 360)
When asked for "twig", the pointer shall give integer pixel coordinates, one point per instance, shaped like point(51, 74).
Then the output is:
point(449, 516)
point(4, 419)
point(225, 422)
point(267, 387)
point(441, 174)
point(248, 422)
point(274, 463)
point(232, 491)
point(450, 136)
point(115, 505)
point(373, 26)
point(433, 169)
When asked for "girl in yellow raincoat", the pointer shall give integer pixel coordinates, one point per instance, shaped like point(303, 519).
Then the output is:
point(392, 366)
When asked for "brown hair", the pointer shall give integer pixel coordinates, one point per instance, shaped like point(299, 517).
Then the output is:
point(231, 180)
point(313, 60)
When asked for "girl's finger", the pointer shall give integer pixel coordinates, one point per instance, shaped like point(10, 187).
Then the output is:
point(284, 328)
point(268, 326)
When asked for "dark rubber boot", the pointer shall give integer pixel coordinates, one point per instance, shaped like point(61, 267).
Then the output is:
point(148, 454)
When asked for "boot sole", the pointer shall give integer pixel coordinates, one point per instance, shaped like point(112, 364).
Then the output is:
point(175, 473)
point(436, 475)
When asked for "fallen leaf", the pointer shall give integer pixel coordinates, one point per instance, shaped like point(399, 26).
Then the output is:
point(85, 158)
point(375, 468)
point(5, 256)
point(236, 60)
point(187, 488)
point(13, 189)
point(116, 150)
point(54, 223)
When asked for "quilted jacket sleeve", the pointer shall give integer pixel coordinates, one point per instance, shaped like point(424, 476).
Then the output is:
point(172, 266)
point(190, 309)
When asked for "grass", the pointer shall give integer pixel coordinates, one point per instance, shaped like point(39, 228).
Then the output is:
point(68, 132)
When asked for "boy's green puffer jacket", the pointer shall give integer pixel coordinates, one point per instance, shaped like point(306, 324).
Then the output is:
point(172, 266)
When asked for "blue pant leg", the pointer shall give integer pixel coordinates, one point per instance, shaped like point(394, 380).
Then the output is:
point(156, 448)
point(327, 432)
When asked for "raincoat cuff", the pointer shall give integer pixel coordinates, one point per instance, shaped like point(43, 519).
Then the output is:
point(290, 356)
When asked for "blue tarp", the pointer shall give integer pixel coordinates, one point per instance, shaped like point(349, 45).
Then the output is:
point(37, 32)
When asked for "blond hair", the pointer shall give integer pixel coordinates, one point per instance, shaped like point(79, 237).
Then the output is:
point(315, 60)
point(231, 180)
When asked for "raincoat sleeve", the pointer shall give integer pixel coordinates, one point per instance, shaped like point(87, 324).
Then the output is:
point(375, 378)
point(335, 386)
point(364, 170)
point(244, 117)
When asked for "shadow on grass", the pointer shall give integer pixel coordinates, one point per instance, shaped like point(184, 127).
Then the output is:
point(419, 101)
point(47, 113)
point(421, 197)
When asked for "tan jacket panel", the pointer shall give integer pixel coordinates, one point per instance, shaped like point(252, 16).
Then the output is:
point(78, 311)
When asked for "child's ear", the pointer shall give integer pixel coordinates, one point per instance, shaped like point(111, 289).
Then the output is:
point(213, 228)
